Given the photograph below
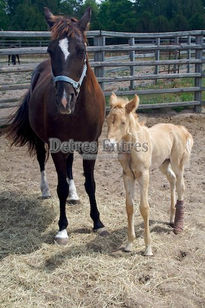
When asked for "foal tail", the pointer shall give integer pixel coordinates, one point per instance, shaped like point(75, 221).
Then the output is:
point(19, 130)
point(188, 146)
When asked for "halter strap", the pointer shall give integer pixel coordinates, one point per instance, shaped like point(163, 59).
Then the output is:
point(76, 84)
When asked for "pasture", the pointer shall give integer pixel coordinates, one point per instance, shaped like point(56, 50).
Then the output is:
point(91, 271)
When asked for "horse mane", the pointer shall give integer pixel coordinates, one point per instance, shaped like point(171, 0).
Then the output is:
point(64, 26)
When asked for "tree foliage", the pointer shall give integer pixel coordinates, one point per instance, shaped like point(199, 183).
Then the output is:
point(113, 15)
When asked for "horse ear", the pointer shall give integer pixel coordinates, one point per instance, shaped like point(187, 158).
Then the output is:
point(50, 18)
point(113, 100)
point(133, 104)
point(85, 20)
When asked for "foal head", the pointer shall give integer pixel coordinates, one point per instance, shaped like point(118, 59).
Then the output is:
point(121, 118)
point(67, 51)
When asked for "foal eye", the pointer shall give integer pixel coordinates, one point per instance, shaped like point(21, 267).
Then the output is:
point(123, 122)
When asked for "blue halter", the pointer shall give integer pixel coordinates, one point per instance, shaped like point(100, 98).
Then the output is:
point(76, 84)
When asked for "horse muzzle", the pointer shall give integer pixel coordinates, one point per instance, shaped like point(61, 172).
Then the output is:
point(66, 104)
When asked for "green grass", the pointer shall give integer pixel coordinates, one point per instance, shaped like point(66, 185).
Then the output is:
point(167, 97)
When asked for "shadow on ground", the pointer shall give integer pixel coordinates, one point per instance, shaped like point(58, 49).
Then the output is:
point(23, 219)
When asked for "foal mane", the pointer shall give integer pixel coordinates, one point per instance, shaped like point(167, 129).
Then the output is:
point(65, 26)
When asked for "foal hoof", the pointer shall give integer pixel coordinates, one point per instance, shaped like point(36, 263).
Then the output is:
point(61, 241)
point(177, 230)
point(101, 231)
point(128, 248)
point(148, 252)
point(171, 224)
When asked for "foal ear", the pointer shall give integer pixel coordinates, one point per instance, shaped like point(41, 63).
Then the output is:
point(50, 18)
point(85, 20)
point(133, 104)
point(113, 100)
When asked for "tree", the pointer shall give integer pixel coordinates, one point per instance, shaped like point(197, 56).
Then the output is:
point(4, 20)
point(71, 7)
point(114, 15)
point(27, 17)
point(197, 21)
point(160, 24)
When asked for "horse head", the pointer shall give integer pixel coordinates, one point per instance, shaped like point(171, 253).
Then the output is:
point(67, 50)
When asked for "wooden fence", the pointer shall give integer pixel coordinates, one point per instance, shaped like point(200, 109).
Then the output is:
point(181, 53)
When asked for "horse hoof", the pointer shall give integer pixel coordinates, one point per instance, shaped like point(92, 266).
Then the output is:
point(73, 202)
point(102, 231)
point(61, 241)
point(171, 224)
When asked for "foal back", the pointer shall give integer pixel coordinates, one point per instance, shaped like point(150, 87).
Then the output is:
point(172, 142)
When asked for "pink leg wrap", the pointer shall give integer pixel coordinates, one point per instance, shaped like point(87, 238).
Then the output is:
point(179, 217)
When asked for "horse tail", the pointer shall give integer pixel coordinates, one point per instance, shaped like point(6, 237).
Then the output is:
point(19, 130)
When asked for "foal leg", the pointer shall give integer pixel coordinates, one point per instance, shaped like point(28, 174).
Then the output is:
point(88, 167)
point(41, 157)
point(143, 180)
point(62, 191)
point(180, 187)
point(171, 177)
point(73, 196)
point(129, 183)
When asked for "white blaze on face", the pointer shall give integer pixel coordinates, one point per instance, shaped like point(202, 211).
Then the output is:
point(63, 44)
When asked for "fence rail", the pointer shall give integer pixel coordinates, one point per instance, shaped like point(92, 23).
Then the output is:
point(180, 53)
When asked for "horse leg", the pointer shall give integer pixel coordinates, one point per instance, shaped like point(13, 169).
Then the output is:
point(18, 58)
point(88, 167)
point(171, 177)
point(41, 157)
point(9, 59)
point(129, 183)
point(62, 190)
point(73, 196)
point(143, 180)
point(13, 59)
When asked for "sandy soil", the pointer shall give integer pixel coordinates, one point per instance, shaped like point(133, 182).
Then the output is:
point(34, 272)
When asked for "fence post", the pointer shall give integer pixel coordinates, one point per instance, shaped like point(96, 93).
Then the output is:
point(157, 57)
point(176, 52)
point(189, 54)
point(198, 69)
point(99, 56)
point(132, 58)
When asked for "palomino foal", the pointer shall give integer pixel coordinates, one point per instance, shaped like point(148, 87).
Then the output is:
point(165, 146)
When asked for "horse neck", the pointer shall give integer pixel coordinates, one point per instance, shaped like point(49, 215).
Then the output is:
point(90, 80)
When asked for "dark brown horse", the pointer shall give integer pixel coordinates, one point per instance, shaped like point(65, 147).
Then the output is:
point(64, 102)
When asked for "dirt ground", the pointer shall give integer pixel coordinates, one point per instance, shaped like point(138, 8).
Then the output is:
point(35, 272)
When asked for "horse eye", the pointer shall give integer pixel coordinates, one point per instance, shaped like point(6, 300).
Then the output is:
point(123, 122)
point(80, 51)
